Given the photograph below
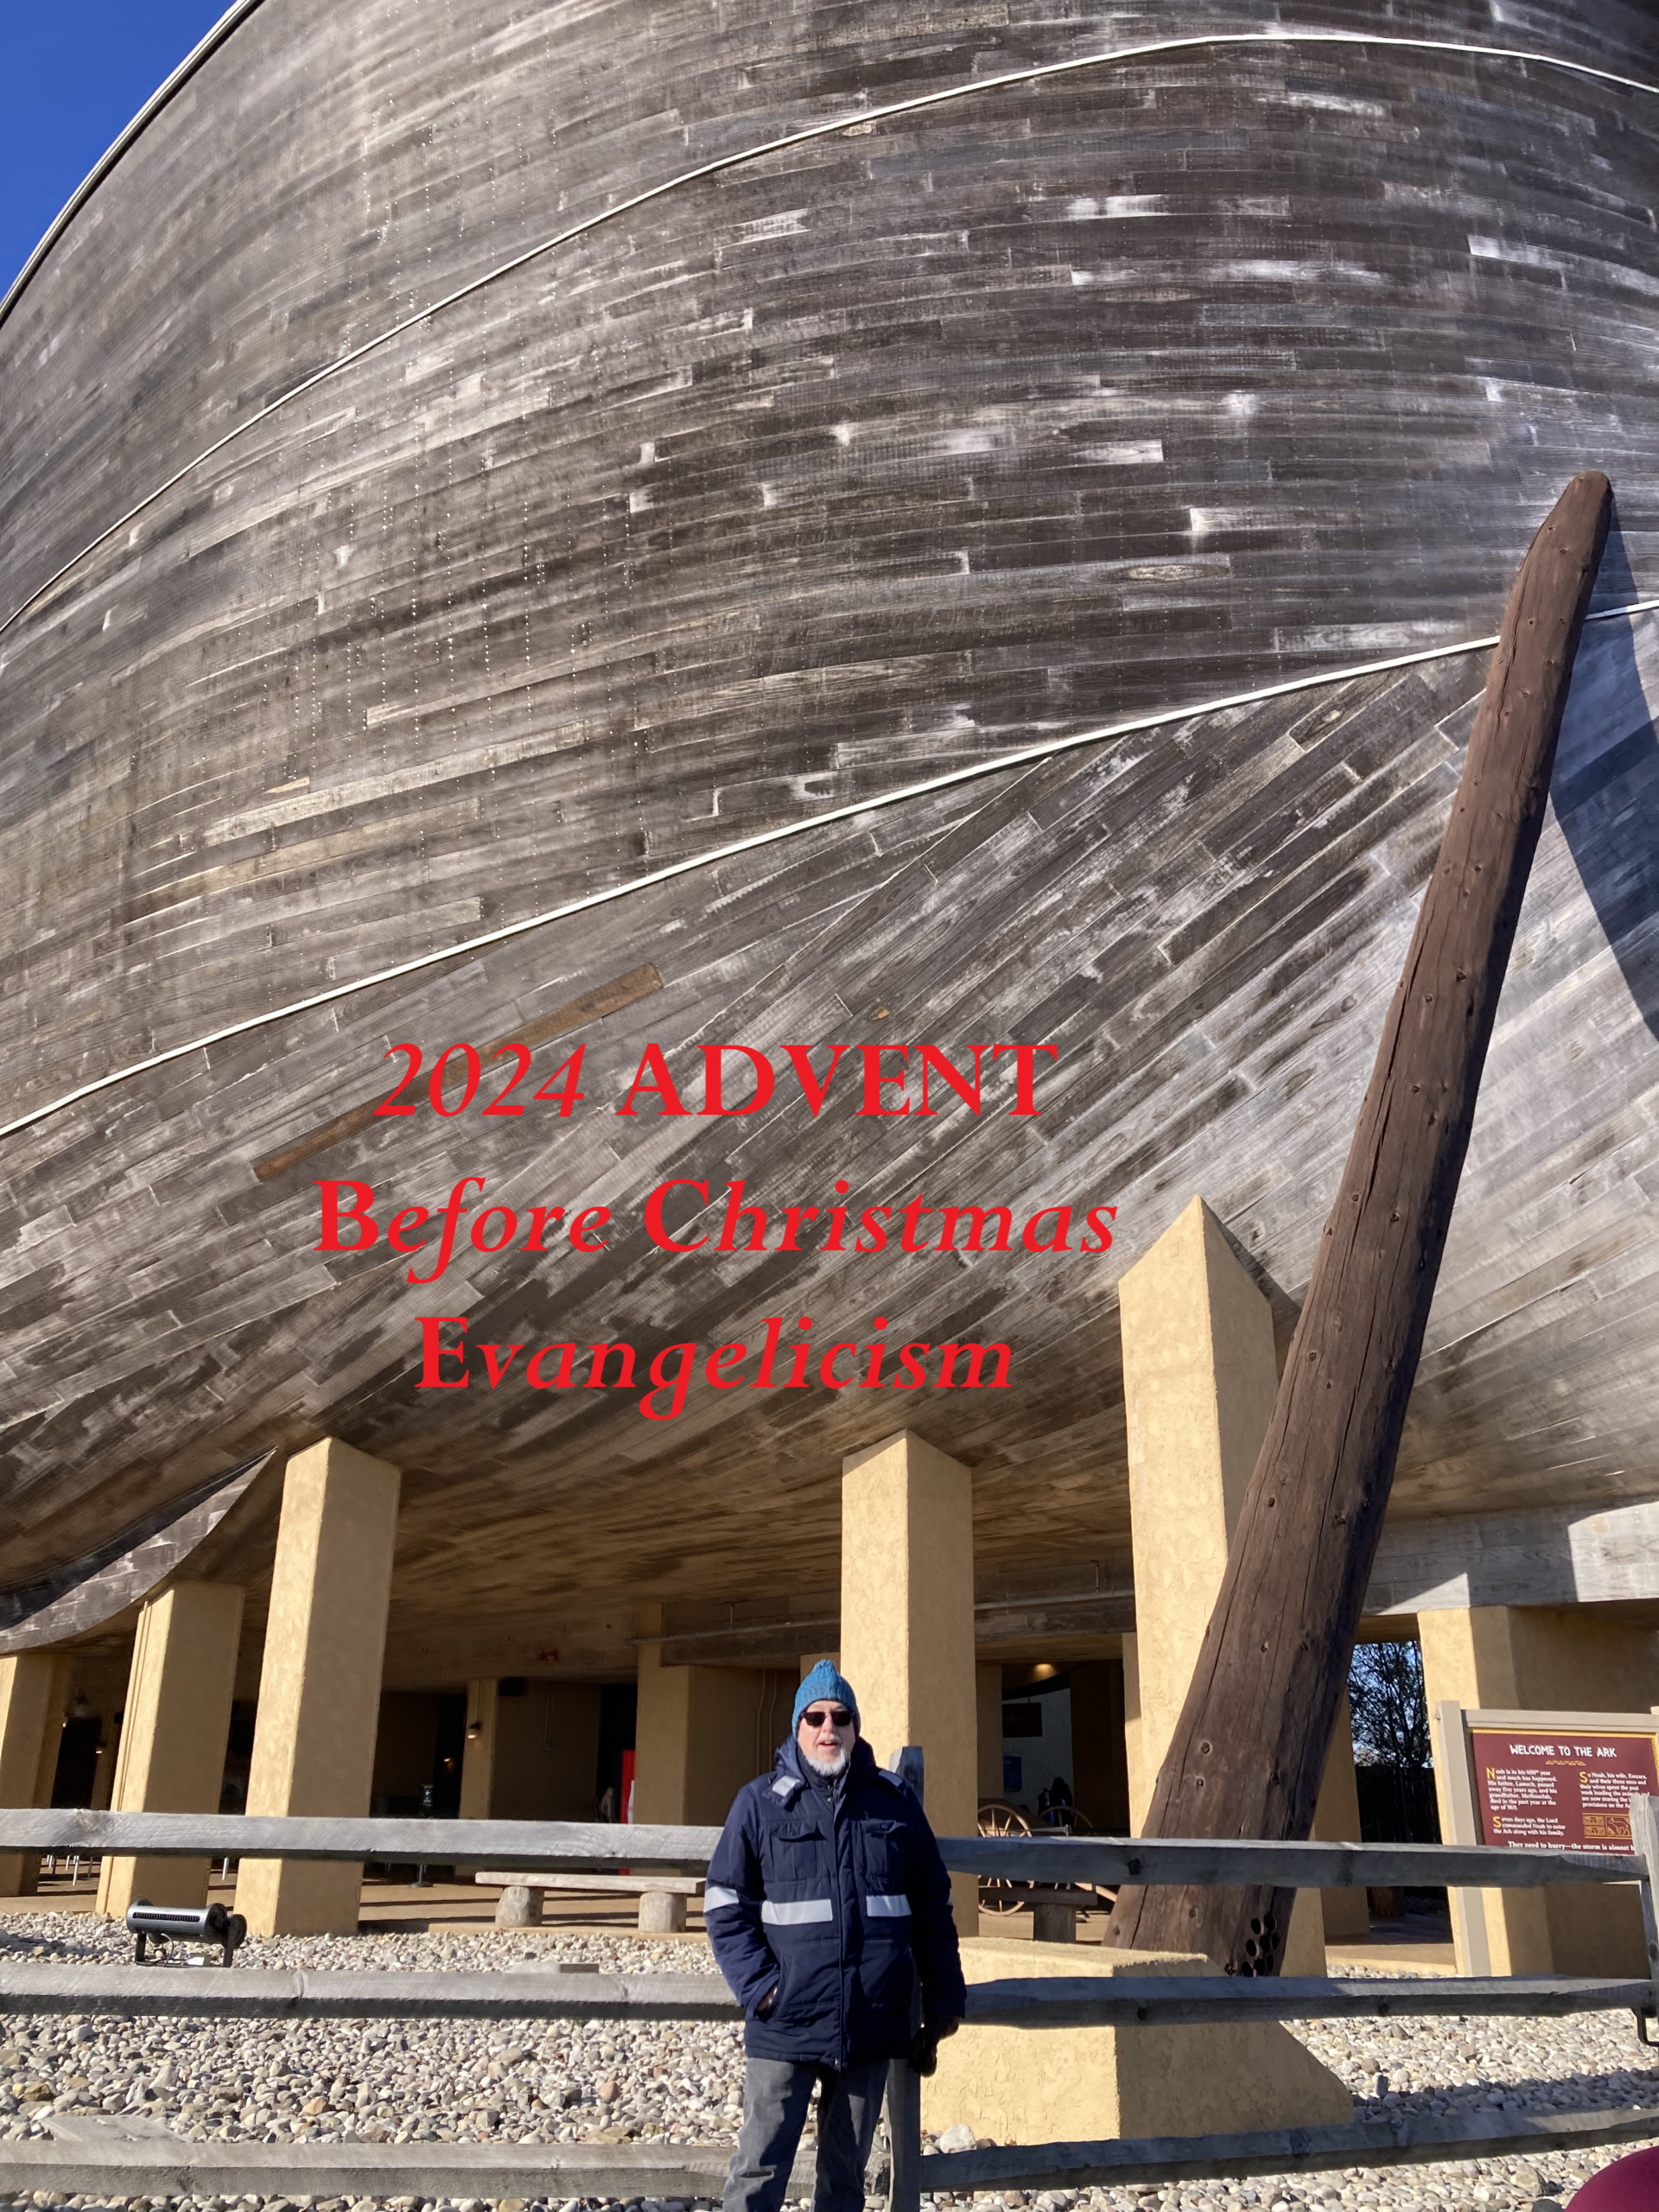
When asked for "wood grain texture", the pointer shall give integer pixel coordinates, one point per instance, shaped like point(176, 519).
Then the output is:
point(1554, 1555)
point(1180, 1071)
point(1039, 408)
point(1247, 1752)
point(900, 452)
point(255, 1992)
point(1046, 2001)
point(606, 998)
point(97, 2163)
point(1394, 2139)
point(86, 1593)
point(93, 2163)
point(578, 1845)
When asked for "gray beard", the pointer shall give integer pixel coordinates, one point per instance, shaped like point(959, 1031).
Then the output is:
point(828, 1769)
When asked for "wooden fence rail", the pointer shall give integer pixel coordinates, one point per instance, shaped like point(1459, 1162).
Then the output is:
point(528, 1846)
point(108, 2160)
point(1046, 2001)
point(522, 1846)
point(96, 2154)
point(1395, 2140)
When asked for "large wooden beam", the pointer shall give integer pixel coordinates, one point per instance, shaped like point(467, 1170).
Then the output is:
point(1246, 1756)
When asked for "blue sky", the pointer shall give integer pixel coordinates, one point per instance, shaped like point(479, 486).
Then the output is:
point(72, 76)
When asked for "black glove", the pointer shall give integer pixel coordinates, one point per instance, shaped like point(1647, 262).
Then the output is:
point(924, 2053)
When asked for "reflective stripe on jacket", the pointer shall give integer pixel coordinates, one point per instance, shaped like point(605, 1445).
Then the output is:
point(838, 1902)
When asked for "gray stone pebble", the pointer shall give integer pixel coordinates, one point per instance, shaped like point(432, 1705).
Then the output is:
point(533, 2082)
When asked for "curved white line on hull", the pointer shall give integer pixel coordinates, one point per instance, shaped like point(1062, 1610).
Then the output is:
point(1028, 756)
point(863, 120)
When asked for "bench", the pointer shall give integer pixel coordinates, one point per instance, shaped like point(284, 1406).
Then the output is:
point(662, 1897)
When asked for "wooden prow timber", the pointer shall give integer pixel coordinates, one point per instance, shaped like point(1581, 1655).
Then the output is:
point(1247, 1752)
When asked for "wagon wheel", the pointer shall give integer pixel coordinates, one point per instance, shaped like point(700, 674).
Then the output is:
point(1067, 1820)
point(1071, 1820)
point(1000, 1893)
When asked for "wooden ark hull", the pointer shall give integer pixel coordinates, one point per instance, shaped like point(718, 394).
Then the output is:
point(888, 454)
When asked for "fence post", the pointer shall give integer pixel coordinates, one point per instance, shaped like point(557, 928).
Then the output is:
point(904, 2084)
point(1644, 1841)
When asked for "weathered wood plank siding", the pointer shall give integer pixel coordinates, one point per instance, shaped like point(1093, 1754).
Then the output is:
point(878, 457)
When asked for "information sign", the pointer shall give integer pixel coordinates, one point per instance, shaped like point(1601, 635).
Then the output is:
point(1544, 1790)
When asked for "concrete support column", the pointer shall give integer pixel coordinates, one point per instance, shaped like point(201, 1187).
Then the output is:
point(1346, 1913)
point(1538, 1658)
point(701, 1732)
point(175, 1733)
point(110, 1716)
point(1199, 1379)
point(32, 1686)
point(478, 1756)
point(987, 1699)
point(662, 1729)
point(1138, 1789)
point(319, 1685)
point(1099, 1773)
point(907, 1625)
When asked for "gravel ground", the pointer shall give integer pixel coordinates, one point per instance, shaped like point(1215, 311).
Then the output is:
point(574, 2082)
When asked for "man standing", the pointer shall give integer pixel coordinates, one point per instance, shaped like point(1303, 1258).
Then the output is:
point(826, 1902)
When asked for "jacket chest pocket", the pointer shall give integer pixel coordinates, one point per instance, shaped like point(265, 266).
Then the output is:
point(883, 1854)
point(793, 1864)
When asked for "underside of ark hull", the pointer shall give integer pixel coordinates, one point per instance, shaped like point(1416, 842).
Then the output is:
point(1206, 920)
point(871, 458)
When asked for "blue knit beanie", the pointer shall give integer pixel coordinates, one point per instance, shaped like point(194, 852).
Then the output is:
point(824, 1682)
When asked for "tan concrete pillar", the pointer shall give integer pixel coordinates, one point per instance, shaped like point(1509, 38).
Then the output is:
point(173, 1738)
point(478, 1754)
point(1099, 1778)
point(1199, 1378)
point(987, 1731)
point(1509, 1658)
point(109, 1726)
point(907, 1625)
point(32, 1685)
point(57, 1711)
point(1346, 1913)
point(701, 1732)
point(320, 1684)
point(1139, 1790)
point(1469, 1655)
point(662, 1730)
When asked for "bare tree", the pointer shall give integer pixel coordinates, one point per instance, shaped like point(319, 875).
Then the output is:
point(1385, 1689)
point(1391, 1739)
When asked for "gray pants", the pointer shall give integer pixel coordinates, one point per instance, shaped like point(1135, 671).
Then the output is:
point(776, 2094)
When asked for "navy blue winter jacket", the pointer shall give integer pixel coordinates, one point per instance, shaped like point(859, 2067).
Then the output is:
point(838, 1901)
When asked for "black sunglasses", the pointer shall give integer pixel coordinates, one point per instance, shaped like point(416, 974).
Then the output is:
point(815, 1717)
